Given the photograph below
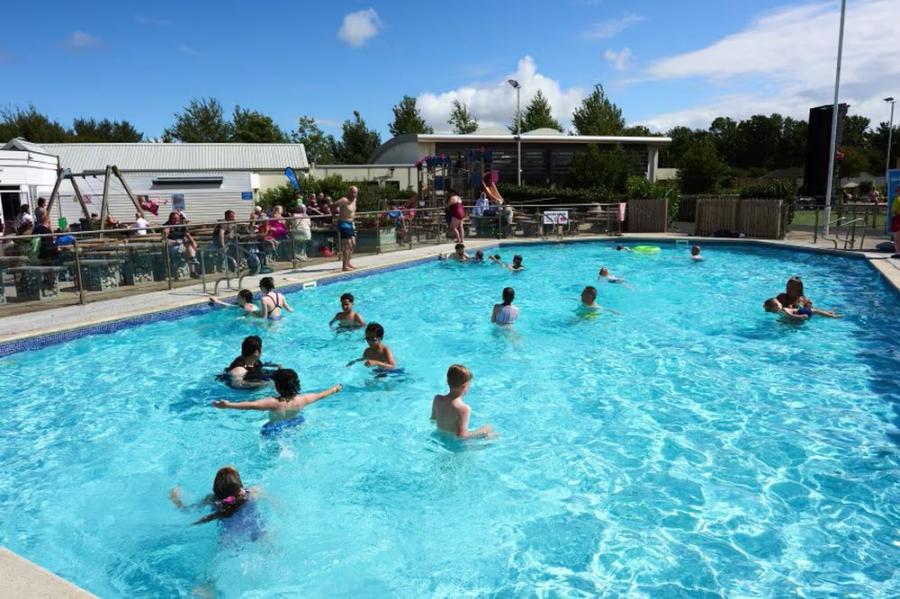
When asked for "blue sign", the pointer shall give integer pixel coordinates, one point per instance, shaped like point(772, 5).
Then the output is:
point(246, 195)
point(893, 196)
point(292, 177)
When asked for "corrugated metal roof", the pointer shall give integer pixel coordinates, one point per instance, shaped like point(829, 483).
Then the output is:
point(179, 156)
point(526, 138)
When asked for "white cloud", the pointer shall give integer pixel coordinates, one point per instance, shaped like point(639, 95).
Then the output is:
point(185, 49)
point(79, 40)
point(152, 21)
point(607, 29)
point(619, 60)
point(359, 27)
point(493, 103)
point(784, 62)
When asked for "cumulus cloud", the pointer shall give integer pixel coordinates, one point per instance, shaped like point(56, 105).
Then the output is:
point(359, 27)
point(607, 29)
point(619, 60)
point(493, 103)
point(784, 62)
point(79, 40)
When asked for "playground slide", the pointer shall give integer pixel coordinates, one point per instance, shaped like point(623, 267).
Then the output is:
point(491, 190)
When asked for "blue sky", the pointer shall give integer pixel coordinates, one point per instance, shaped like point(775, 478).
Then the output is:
point(662, 62)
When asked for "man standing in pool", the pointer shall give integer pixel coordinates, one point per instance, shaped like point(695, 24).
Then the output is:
point(346, 213)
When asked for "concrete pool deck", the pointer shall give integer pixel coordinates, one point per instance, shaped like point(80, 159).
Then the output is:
point(68, 318)
point(23, 579)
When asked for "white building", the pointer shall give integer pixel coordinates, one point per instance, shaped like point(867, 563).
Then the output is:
point(209, 177)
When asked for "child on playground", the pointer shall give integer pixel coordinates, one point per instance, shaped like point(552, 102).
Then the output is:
point(229, 497)
point(244, 303)
point(450, 412)
point(347, 318)
point(377, 355)
point(289, 402)
point(695, 253)
point(505, 313)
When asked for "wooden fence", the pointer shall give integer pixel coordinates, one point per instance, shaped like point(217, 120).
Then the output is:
point(647, 216)
point(760, 218)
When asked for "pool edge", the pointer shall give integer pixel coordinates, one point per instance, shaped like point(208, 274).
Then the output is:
point(25, 579)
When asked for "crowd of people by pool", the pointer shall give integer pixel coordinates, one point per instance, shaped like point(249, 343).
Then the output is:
point(449, 411)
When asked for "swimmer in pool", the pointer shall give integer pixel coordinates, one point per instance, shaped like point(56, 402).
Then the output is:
point(377, 354)
point(229, 496)
point(273, 303)
point(478, 258)
point(804, 312)
point(347, 318)
point(589, 305)
point(244, 303)
point(516, 265)
point(622, 248)
point(505, 313)
point(459, 254)
point(604, 274)
point(287, 404)
point(695, 254)
point(246, 371)
point(450, 413)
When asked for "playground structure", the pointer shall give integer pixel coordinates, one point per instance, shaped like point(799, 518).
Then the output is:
point(110, 172)
point(469, 174)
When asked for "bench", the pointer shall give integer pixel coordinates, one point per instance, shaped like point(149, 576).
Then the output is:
point(36, 282)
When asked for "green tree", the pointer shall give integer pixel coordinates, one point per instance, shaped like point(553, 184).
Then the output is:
point(30, 125)
point(320, 148)
point(358, 142)
point(608, 168)
point(701, 169)
point(92, 131)
point(724, 133)
point(462, 120)
point(854, 131)
point(597, 115)
point(202, 120)
point(759, 138)
point(537, 115)
point(855, 161)
point(637, 131)
point(250, 126)
point(682, 137)
point(878, 141)
point(792, 149)
point(408, 119)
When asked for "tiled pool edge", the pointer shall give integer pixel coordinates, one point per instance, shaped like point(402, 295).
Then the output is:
point(44, 339)
point(24, 579)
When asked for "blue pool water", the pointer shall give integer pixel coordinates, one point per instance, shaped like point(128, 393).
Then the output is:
point(691, 446)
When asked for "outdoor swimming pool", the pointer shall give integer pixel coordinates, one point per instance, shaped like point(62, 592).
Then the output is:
point(693, 445)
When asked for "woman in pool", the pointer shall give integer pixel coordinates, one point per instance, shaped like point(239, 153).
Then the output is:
point(793, 293)
point(505, 314)
point(272, 301)
point(284, 410)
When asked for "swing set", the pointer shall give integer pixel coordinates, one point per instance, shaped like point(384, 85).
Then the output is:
point(110, 172)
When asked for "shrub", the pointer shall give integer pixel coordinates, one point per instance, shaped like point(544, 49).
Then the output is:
point(561, 195)
point(594, 168)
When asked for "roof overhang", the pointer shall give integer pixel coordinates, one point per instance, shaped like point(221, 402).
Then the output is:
point(559, 139)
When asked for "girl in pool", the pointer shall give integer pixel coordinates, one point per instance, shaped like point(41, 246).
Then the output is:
point(604, 274)
point(229, 497)
point(272, 301)
point(505, 314)
point(244, 303)
point(289, 403)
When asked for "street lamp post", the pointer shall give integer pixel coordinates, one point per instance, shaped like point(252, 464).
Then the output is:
point(518, 88)
point(890, 139)
point(834, 121)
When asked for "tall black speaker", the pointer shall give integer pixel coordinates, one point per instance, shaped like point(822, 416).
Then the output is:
point(818, 142)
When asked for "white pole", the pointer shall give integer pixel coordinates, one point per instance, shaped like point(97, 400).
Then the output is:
point(518, 138)
point(890, 140)
point(834, 121)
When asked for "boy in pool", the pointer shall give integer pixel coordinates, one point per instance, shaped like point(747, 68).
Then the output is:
point(604, 274)
point(289, 402)
point(377, 355)
point(450, 413)
point(479, 257)
point(347, 318)
point(695, 254)
point(244, 303)
point(246, 371)
point(589, 303)
point(804, 312)
point(459, 254)
point(622, 248)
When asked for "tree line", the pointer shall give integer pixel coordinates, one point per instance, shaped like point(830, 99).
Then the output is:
point(727, 148)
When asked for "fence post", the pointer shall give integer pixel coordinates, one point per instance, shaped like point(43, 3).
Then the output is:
point(78, 275)
point(292, 232)
point(816, 226)
point(377, 233)
point(167, 258)
point(202, 268)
